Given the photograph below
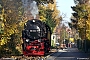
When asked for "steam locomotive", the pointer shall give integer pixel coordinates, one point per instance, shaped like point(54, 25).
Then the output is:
point(36, 37)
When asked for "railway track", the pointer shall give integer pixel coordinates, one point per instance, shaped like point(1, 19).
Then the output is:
point(24, 58)
point(27, 57)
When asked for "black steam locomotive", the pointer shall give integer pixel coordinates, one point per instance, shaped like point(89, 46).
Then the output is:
point(36, 37)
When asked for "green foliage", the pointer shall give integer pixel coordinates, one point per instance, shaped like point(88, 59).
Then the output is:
point(9, 48)
point(73, 24)
point(75, 15)
point(44, 1)
point(49, 20)
point(70, 25)
point(79, 10)
point(81, 13)
point(52, 43)
point(46, 16)
point(42, 14)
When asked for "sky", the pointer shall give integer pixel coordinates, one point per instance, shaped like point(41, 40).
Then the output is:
point(65, 8)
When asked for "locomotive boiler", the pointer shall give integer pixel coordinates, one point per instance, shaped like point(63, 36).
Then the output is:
point(36, 37)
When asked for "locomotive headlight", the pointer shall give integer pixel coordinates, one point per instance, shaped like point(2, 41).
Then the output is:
point(33, 20)
point(27, 40)
point(39, 40)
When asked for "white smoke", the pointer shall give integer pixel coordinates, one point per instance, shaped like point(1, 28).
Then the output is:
point(33, 9)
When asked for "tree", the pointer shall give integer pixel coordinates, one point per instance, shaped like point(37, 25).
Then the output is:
point(50, 15)
point(44, 1)
point(50, 21)
point(84, 14)
point(12, 14)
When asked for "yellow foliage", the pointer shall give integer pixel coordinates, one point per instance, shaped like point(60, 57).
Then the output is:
point(10, 31)
point(56, 12)
point(20, 23)
point(42, 18)
point(2, 24)
point(3, 41)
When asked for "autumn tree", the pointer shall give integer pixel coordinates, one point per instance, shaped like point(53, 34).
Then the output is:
point(81, 14)
point(50, 15)
point(11, 17)
point(82, 11)
point(44, 1)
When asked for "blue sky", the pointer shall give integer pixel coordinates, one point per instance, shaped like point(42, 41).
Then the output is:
point(65, 8)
